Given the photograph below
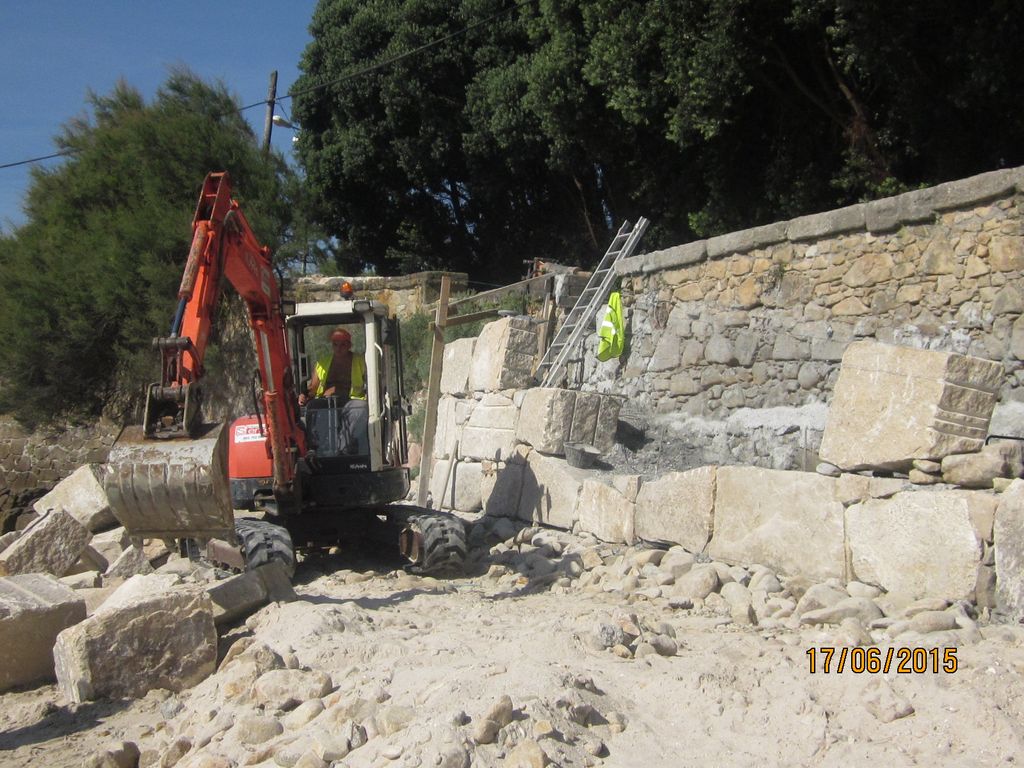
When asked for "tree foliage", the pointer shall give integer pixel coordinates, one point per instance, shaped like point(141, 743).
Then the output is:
point(92, 276)
point(538, 132)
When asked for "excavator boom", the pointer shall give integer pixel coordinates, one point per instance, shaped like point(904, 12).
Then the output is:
point(167, 478)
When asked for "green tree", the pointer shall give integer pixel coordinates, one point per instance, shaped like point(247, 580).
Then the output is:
point(538, 132)
point(92, 276)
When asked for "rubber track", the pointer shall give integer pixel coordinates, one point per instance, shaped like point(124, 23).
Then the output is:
point(444, 543)
point(263, 542)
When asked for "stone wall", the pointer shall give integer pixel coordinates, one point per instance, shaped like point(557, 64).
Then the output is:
point(404, 294)
point(756, 322)
point(33, 462)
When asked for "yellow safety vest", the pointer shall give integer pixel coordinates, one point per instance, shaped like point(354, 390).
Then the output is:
point(358, 391)
point(612, 330)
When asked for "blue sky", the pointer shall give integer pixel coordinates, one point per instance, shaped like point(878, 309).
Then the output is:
point(53, 52)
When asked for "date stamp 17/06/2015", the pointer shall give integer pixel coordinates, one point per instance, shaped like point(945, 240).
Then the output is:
point(903, 661)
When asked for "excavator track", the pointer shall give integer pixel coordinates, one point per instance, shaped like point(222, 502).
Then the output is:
point(434, 542)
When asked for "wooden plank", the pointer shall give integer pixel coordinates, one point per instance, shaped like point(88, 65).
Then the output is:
point(521, 287)
point(471, 318)
point(433, 392)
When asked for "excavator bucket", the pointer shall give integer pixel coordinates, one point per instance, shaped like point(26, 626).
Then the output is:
point(171, 489)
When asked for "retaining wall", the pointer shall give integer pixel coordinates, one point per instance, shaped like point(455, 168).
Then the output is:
point(757, 321)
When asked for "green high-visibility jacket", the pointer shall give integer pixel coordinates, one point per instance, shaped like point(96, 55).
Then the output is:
point(358, 391)
point(612, 331)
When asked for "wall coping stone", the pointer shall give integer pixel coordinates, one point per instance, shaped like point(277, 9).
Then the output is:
point(883, 215)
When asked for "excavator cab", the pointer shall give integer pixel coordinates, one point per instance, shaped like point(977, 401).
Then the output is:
point(356, 440)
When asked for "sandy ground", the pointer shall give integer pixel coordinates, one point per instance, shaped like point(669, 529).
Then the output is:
point(418, 664)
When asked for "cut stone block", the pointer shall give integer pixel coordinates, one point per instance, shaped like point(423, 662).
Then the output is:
point(448, 430)
point(129, 563)
point(110, 544)
point(237, 596)
point(52, 543)
point(504, 355)
point(604, 512)
point(545, 418)
point(1009, 550)
point(34, 608)
point(466, 486)
point(81, 495)
point(892, 405)
point(490, 432)
point(789, 521)
point(607, 423)
point(678, 507)
point(457, 363)
point(978, 470)
point(584, 418)
point(500, 488)
point(915, 544)
point(166, 640)
point(550, 491)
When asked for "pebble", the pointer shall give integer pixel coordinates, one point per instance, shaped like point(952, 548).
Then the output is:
point(736, 594)
point(288, 688)
point(501, 711)
point(699, 582)
point(884, 703)
point(819, 596)
point(743, 615)
point(860, 608)
point(932, 621)
point(663, 645)
point(622, 651)
point(391, 751)
point(925, 604)
point(485, 731)
point(527, 754)
point(256, 729)
point(302, 714)
point(858, 589)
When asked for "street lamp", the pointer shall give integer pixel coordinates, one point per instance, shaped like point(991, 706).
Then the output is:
point(281, 122)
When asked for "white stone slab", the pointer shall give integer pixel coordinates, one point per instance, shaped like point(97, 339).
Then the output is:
point(34, 608)
point(789, 521)
point(892, 405)
point(915, 544)
point(678, 507)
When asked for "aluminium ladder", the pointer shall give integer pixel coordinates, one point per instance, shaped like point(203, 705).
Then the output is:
point(552, 366)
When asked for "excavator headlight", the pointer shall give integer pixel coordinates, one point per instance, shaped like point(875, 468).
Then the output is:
point(361, 306)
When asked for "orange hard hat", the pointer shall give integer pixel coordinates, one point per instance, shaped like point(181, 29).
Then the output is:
point(340, 334)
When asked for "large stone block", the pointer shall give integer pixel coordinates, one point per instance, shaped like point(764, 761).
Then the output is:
point(1008, 537)
point(789, 521)
point(52, 543)
point(490, 432)
point(550, 491)
point(545, 418)
point(500, 488)
point(81, 496)
point(892, 405)
point(441, 493)
point(915, 544)
point(466, 480)
point(605, 512)
point(453, 413)
point(678, 507)
point(166, 640)
point(504, 355)
point(457, 363)
point(34, 608)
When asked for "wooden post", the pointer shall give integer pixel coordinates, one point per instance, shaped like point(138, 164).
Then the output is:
point(268, 123)
point(433, 393)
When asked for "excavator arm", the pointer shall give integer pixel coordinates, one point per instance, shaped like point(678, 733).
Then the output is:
point(168, 478)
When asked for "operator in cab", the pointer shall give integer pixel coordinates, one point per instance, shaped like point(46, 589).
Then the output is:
point(339, 384)
point(340, 374)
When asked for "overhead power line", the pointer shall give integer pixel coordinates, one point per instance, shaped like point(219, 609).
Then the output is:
point(343, 78)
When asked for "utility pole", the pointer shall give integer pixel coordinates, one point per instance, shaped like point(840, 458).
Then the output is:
point(268, 124)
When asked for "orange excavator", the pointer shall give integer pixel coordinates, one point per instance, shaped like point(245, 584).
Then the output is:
point(306, 477)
